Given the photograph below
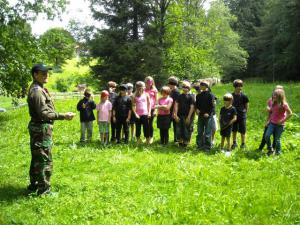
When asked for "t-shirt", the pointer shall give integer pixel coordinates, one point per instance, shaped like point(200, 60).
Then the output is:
point(122, 106)
point(103, 111)
point(239, 102)
point(141, 105)
point(205, 103)
point(226, 115)
point(278, 113)
point(185, 101)
point(86, 113)
point(112, 97)
point(152, 94)
point(174, 95)
point(164, 101)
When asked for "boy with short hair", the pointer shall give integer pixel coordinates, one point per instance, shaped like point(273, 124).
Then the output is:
point(173, 85)
point(204, 107)
point(241, 103)
point(86, 106)
point(122, 113)
point(227, 118)
point(183, 114)
point(112, 97)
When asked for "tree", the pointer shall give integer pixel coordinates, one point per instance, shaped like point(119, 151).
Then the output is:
point(19, 49)
point(278, 40)
point(58, 46)
point(125, 49)
point(249, 18)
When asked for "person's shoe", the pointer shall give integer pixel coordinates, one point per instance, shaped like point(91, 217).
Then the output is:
point(32, 188)
point(243, 146)
point(270, 152)
point(278, 153)
point(234, 145)
point(150, 140)
point(44, 191)
point(227, 153)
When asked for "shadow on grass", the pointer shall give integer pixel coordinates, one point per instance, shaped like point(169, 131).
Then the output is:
point(9, 193)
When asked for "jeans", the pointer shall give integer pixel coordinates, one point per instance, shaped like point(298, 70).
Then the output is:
point(184, 131)
point(204, 132)
point(277, 131)
point(86, 126)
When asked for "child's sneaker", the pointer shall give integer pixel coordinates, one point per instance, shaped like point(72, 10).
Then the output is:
point(270, 152)
point(234, 145)
point(227, 153)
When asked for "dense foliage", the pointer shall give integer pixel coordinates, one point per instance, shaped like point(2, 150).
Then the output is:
point(58, 45)
point(19, 49)
point(269, 31)
point(163, 37)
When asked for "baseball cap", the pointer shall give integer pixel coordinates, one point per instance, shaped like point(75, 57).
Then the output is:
point(104, 93)
point(123, 87)
point(40, 67)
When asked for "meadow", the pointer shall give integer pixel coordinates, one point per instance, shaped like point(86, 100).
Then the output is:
point(151, 184)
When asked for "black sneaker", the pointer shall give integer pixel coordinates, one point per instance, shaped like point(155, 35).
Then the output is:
point(270, 152)
point(243, 146)
point(233, 146)
point(32, 188)
point(44, 191)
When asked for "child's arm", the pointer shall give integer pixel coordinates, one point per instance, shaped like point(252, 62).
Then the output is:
point(148, 105)
point(113, 112)
point(133, 108)
point(97, 116)
point(289, 114)
point(188, 119)
point(109, 116)
point(175, 110)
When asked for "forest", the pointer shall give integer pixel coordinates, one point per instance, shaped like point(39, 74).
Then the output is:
point(232, 39)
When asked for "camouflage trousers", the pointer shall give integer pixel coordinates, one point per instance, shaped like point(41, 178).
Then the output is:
point(41, 156)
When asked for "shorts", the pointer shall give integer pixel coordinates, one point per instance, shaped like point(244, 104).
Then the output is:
point(103, 127)
point(226, 132)
point(239, 126)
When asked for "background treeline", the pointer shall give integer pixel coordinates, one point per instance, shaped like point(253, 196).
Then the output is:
point(234, 38)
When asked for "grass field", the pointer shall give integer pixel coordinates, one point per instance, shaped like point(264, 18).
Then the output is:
point(129, 184)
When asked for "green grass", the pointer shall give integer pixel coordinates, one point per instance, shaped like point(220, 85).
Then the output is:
point(153, 184)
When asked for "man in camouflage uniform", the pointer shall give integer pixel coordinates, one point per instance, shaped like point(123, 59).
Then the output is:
point(42, 113)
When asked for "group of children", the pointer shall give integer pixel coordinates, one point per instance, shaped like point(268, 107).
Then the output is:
point(128, 110)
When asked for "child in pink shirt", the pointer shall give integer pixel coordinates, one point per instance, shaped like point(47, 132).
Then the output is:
point(164, 115)
point(279, 113)
point(142, 111)
point(104, 109)
point(152, 92)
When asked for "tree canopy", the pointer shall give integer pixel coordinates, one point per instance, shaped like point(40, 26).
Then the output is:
point(19, 49)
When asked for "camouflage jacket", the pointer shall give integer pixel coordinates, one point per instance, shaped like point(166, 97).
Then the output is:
point(41, 107)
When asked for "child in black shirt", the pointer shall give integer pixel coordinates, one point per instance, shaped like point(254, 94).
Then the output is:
point(183, 114)
point(227, 118)
point(86, 106)
point(122, 113)
point(205, 106)
point(240, 102)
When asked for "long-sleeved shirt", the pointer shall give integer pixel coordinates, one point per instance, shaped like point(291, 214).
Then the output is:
point(41, 107)
point(205, 103)
point(86, 113)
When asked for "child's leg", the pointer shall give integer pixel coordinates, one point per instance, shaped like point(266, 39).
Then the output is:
point(138, 129)
point(222, 142)
point(263, 141)
point(145, 123)
point(132, 131)
point(126, 130)
point(102, 138)
point(118, 130)
point(82, 131)
point(89, 130)
point(200, 130)
point(277, 135)
point(268, 134)
point(228, 143)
